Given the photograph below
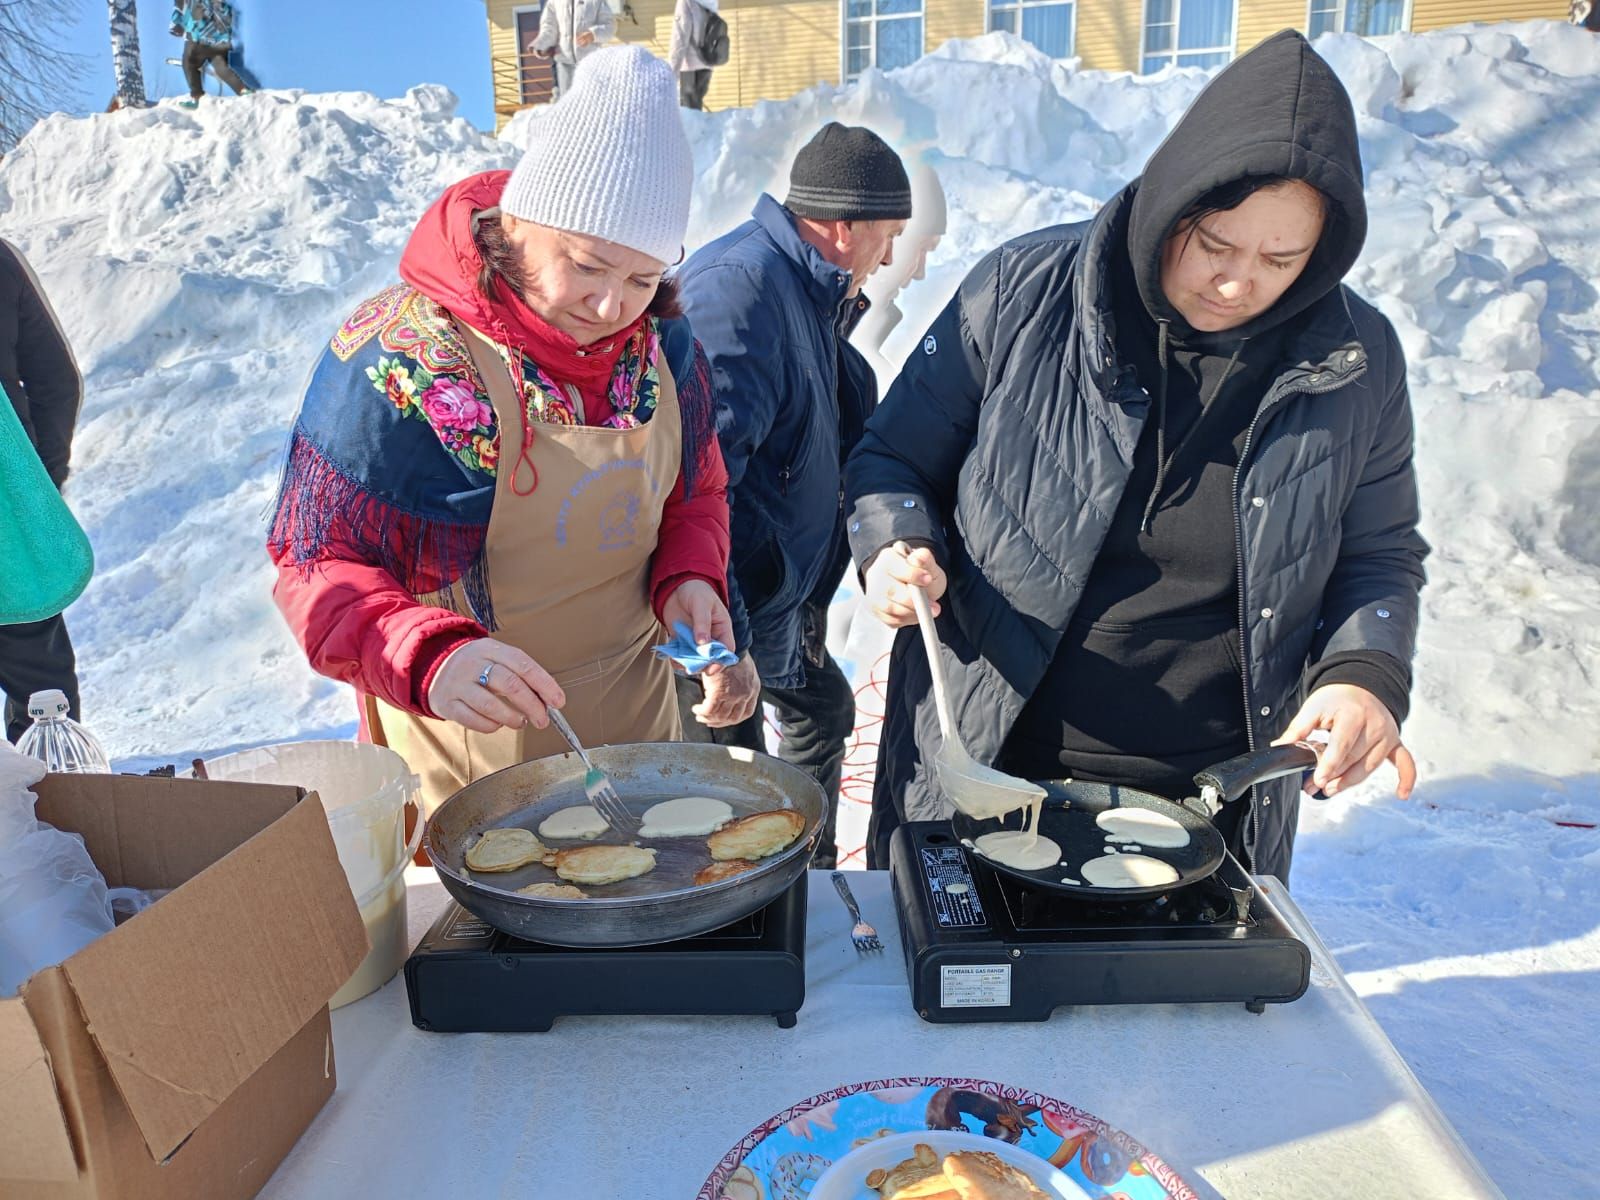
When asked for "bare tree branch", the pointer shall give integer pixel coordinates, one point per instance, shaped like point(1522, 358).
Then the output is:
point(37, 77)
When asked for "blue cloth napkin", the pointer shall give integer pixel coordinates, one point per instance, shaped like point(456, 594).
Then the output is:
point(692, 658)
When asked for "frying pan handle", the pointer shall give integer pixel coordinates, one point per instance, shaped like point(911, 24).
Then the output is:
point(1231, 779)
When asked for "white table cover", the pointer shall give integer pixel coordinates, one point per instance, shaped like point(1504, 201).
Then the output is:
point(1308, 1101)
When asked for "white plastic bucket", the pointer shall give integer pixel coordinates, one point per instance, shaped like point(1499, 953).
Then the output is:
point(365, 790)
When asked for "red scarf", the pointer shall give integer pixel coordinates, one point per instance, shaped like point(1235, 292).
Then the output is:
point(442, 262)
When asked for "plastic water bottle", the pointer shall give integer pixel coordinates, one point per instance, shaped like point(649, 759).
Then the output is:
point(58, 741)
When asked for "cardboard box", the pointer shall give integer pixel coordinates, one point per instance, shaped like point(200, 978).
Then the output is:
point(182, 1054)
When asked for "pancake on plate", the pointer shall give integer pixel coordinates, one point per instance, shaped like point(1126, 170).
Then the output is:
point(505, 850)
point(595, 865)
point(759, 835)
point(921, 1168)
point(980, 1175)
point(743, 1184)
point(553, 891)
point(718, 871)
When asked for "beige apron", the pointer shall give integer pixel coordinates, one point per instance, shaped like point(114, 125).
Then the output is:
point(569, 569)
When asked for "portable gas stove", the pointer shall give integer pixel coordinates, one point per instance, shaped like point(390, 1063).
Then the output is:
point(465, 976)
point(981, 946)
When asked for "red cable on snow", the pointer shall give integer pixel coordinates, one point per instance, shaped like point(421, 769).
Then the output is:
point(860, 766)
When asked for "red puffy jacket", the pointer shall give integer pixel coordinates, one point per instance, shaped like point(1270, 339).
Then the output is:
point(354, 620)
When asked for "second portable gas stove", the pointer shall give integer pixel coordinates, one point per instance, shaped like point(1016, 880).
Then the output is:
point(982, 946)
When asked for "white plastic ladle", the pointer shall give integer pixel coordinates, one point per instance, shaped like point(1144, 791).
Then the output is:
point(979, 791)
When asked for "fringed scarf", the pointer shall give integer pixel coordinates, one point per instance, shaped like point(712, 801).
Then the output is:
point(393, 458)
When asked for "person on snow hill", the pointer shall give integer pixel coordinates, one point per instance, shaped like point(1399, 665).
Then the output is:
point(774, 302)
point(41, 378)
point(1156, 470)
point(206, 27)
point(686, 52)
point(569, 32)
point(504, 476)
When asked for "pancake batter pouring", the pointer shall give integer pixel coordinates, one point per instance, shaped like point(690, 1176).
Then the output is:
point(1021, 849)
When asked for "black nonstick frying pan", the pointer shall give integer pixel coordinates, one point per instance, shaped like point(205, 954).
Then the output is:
point(1070, 809)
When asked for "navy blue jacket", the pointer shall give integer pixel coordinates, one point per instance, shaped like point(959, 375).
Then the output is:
point(770, 312)
point(1007, 441)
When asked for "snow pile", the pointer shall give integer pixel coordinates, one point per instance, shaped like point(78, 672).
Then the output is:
point(199, 261)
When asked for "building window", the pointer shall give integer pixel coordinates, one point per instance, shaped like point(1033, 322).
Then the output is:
point(1187, 33)
point(881, 33)
point(1044, 24)
point(1369, 18)
point(536, 77)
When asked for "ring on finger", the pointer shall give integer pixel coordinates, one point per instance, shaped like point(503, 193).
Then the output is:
point(483, 676)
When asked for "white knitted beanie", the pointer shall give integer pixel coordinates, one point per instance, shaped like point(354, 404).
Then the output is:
point(610, 159)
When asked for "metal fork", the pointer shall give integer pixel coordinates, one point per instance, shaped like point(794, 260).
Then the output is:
point(597, 786)
point(863, 935)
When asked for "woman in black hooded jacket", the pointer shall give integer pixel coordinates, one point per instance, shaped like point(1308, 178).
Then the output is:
point(1156, 469)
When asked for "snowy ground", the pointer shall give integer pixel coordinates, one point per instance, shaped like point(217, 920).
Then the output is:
point(199, 260)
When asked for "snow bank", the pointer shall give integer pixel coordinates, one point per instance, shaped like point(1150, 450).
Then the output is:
point(200, 260)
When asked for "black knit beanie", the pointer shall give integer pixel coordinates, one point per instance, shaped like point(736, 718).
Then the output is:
point(847, 173)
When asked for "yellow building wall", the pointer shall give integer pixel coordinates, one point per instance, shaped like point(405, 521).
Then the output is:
point(777, 47)
point(502, 30)
point(1438, 14)
point(502, 51)
point(943, 20)
point(780, 47)
point(1260, 19)
point(1108, 34)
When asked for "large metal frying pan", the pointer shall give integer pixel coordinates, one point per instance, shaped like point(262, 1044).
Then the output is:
point(1070, 809)
point(661, 906)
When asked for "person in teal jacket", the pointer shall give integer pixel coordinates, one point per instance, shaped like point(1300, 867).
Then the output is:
point(41, 385)
point(206, 27)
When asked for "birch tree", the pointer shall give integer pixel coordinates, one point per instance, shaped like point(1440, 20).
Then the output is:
point(125, 65)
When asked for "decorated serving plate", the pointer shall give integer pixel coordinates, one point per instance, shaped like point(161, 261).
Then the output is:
point(782, 1158)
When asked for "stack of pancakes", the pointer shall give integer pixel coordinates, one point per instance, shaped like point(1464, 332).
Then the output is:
point(964, 1175)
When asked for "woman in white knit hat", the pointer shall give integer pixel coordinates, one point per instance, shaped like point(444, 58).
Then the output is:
point(504, 477)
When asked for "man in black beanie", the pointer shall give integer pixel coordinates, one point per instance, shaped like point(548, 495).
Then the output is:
point(773, 303)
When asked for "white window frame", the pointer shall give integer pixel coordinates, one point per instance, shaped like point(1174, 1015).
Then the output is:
point(1072, 37)
point(844, 34)
point(1231, 49)
point(1339, 7)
